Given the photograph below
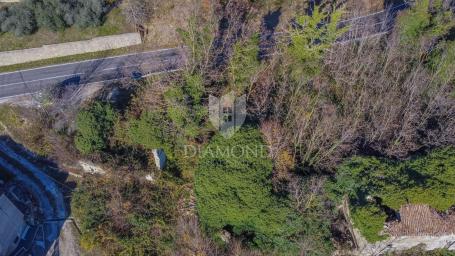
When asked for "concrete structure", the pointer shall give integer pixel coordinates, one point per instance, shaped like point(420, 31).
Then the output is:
point(419, 225)
point(72, 48)
point(401, 243)
point(160, 158)
point(91, 168)
point(12, 224)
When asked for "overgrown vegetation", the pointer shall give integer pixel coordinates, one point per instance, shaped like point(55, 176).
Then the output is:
point(244, 64)
point(372, 96)
point(373, 184)
point(113, 23)
point(311, 37)
point(94, 127)
point(425, 20)
point(234, 192)
point(374, 117)
point(126, 216)
point(28, 126)
point(24, 18)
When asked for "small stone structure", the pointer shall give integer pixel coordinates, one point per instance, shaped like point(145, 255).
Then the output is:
point(160, 158)
point(71, 48)
point(91, 168)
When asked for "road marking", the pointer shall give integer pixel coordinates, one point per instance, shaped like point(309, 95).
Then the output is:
point(110, 57)
point(109, 80)
point(42, 79)
point(137, 65)
point(146, 75)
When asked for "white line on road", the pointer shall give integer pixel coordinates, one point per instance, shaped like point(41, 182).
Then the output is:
point(111, 57)
point(137, 65)
point(109, 80)
point(106, 69)
point(42, 79)
point(146, 75)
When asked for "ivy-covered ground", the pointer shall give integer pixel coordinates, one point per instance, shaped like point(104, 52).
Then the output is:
point(373, 184)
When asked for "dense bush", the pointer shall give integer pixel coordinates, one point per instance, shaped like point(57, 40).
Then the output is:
point(18, 19)
point(184, 105)
point(308, 45)
point(235, 193)
point(244, 64)
point(131, 217)
point(94, 126)
point(149, 130)
point(372, 184)
point(24, 18)
point(427, 18)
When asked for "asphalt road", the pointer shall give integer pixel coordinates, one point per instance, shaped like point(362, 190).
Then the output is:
point(144, 63)
point(132, 65)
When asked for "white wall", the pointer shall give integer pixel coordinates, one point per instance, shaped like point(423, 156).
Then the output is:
point(65, 49)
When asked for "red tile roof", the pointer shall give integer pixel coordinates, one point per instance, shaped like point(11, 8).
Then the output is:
point(421, 220)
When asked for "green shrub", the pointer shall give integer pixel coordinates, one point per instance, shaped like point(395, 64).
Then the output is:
point(94, 126)
point(310, 40)
point(442, 62)
point(184, 106)
point(89, 204)
point(234, 192)
point(244, 63)
point(198, 36)
point(428, 179)
point(414, 21)
point(149, 130)
point(425, 18)
point(24, 18)
point(130, 217)
point(370, 221)
point(17, 19)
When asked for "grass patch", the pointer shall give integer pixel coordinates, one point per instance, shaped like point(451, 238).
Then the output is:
point(370, 220)
point(8, 118)
point(115, 24)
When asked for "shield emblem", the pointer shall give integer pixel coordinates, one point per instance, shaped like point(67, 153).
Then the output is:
point(227, 113)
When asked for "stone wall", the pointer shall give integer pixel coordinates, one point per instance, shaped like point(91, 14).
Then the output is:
point(65, 49)
point(427, 243)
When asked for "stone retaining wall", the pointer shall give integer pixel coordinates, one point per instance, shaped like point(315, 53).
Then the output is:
point(427, 243)
point(65, 49)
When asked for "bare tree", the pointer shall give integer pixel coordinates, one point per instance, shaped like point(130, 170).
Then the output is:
point(137, 12)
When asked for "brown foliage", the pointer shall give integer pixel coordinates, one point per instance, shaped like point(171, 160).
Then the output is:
point(372, 97)
point(191, 240)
